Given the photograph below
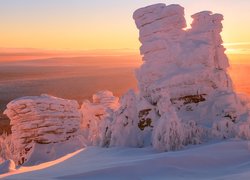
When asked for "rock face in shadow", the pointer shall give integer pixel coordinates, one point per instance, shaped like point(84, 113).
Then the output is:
point(42, 119)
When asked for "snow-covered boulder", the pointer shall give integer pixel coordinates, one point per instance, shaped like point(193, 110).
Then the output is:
point(42, 119)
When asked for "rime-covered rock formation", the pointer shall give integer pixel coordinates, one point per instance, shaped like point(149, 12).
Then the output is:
point(184, 77)
point(186, 96)
point(42, 119)
point(182, 62)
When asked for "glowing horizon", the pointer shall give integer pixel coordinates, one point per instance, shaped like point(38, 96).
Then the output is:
point(73, 26)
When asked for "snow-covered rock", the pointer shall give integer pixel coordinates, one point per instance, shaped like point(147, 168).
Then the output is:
point(42, 119)
point(184, 62)
point(184, 75)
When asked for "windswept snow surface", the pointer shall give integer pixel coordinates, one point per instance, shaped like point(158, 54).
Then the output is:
point(221, 160)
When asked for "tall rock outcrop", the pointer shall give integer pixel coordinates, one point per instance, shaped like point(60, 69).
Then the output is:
point(182, 62)
point(185, 94)
point(184, 75)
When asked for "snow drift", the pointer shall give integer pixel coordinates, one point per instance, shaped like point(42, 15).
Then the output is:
point(227, 160)
point(185, 93)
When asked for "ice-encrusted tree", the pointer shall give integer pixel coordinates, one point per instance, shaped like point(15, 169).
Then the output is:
point(168, 134)
point(9, 150)
point(125, 131)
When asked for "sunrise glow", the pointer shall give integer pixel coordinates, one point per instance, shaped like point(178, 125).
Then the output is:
point(76, 25)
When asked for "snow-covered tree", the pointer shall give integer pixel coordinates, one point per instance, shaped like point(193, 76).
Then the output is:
point(97, 117)
point(9, 150)
point(125, 131)
point(168, 135)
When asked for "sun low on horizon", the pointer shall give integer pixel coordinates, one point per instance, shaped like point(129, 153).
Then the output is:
point(75, 25)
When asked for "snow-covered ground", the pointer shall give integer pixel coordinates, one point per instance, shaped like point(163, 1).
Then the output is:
point(218, 160)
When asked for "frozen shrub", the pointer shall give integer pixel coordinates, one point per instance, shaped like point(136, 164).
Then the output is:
point(97, 117)
point(224, 129)
point(168, 134)
point(244, 130)
point(8, 150)
point(133, 123)
point(125, 131)
point(193, 133)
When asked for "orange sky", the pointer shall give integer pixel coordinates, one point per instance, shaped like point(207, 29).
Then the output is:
point(75, 25)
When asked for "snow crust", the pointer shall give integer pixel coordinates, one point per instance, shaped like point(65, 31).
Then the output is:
point(225, 160)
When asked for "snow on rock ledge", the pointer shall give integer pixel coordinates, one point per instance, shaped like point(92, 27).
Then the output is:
point(42, 119)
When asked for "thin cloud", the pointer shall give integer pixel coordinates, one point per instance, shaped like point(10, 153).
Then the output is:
point(237, 48)
point(236, 44)
point(238, 51)
point(14, 54)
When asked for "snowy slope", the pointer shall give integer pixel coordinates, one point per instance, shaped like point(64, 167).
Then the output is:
point(224, 160)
